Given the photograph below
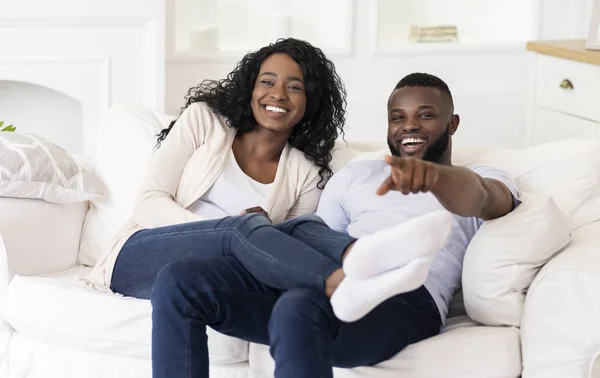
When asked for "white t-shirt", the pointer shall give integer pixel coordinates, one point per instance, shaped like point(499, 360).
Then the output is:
point(349, 204)
point(233, 192)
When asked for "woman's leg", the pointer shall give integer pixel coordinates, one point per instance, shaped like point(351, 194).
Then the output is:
point(312, 231)
point(273, 257)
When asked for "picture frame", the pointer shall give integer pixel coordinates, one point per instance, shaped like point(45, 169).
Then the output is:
point(593, 40)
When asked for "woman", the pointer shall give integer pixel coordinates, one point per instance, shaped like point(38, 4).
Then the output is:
point(261, 138)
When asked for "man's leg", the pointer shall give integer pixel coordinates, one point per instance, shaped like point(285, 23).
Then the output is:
point(188, 296)
point(307, 340)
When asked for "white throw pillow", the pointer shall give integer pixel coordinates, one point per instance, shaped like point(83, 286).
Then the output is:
point(506, 254)
point(122, 154)
point(40, 237)
point(32, 167)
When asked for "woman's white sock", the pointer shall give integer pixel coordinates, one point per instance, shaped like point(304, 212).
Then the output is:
point(398, 245)
point(354, 298)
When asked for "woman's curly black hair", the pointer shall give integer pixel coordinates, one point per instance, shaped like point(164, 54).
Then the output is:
point(323, 120)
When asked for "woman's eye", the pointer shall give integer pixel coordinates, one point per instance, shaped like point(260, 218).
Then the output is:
point(267, 82)
point(295, 88)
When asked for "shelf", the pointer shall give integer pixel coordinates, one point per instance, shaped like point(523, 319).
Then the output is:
point(481, 25)
point(412, 49)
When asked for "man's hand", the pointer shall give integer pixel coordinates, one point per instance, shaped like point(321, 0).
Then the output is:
point(409, 175)
point(256, 209)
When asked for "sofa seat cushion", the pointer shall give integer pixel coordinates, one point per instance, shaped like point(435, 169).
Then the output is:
point(461, 351)
point(59, 310)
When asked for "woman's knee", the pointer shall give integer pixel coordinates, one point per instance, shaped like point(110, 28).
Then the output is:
point(247, 223)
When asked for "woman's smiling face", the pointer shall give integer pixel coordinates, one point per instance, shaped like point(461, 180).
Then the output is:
point(279, 96)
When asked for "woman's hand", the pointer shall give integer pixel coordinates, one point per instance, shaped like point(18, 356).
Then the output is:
point(256, 209)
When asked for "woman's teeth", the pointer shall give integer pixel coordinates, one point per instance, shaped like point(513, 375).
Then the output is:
point(275, 109)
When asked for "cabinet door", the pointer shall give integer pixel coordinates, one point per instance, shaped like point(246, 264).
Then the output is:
point(550, 126)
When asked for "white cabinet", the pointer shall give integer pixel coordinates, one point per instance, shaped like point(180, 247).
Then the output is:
point(550, 126)
point(566, 93)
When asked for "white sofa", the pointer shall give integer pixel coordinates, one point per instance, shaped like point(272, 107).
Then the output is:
point(53, 326)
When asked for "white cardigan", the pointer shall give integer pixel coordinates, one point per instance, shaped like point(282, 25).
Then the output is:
point(187, 164)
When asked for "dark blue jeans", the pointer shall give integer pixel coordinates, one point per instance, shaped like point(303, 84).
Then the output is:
point(301, 252)
point(306, 338)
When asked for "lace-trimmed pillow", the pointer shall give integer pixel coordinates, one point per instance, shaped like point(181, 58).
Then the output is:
point(32, 167)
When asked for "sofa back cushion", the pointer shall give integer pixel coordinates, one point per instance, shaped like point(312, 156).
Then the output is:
point(566, 170)
point(119, 162)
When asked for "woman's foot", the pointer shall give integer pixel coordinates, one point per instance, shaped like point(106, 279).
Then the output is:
point(354, 298)
point(396, 246)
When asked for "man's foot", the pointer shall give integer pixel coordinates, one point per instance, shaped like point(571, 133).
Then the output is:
point(397, 246)
point(354, 298)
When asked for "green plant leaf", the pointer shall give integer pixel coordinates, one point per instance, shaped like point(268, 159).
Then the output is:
point(9, 128)
point(1, 123)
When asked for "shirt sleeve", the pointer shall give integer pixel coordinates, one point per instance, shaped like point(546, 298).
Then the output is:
point(503, 177)
point(331, 207)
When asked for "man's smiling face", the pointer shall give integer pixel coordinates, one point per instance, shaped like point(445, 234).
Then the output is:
point(420, 123)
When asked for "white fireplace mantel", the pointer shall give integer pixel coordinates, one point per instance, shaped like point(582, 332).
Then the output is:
point(94, 53)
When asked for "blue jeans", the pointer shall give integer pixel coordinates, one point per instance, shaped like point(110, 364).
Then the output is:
point(301, 252)
point(306, 339)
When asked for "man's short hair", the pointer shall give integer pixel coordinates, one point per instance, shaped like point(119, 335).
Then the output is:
point(419, 79)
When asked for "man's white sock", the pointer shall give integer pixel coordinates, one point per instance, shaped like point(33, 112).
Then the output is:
point(354, 298)
point(398, 245)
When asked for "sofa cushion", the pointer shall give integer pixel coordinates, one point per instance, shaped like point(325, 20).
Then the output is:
point(40, 237)
point(460, 352)
point(32, 167)
point(560, 328)
point(120, 160)
point(506, 254)
point(59, 310)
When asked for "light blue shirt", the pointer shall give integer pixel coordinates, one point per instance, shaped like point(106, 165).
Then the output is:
point(349, 204)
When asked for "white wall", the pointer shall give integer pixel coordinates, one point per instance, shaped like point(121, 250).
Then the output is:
point(41, 111)
point(565, 19)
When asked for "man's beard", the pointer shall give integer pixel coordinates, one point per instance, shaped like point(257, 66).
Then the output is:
point(433, 152)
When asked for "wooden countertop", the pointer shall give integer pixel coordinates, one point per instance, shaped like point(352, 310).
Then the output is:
point(572, 49)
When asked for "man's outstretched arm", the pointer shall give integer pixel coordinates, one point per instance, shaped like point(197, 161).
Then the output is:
point(459, 190)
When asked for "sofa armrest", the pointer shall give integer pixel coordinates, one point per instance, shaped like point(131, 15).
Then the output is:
point(5, 329)
point(560, 329)
point(40, 237)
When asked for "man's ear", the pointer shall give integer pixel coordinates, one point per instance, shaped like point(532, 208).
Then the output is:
point(454, 121)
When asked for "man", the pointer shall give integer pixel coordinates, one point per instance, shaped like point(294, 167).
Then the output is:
point(305, 335)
